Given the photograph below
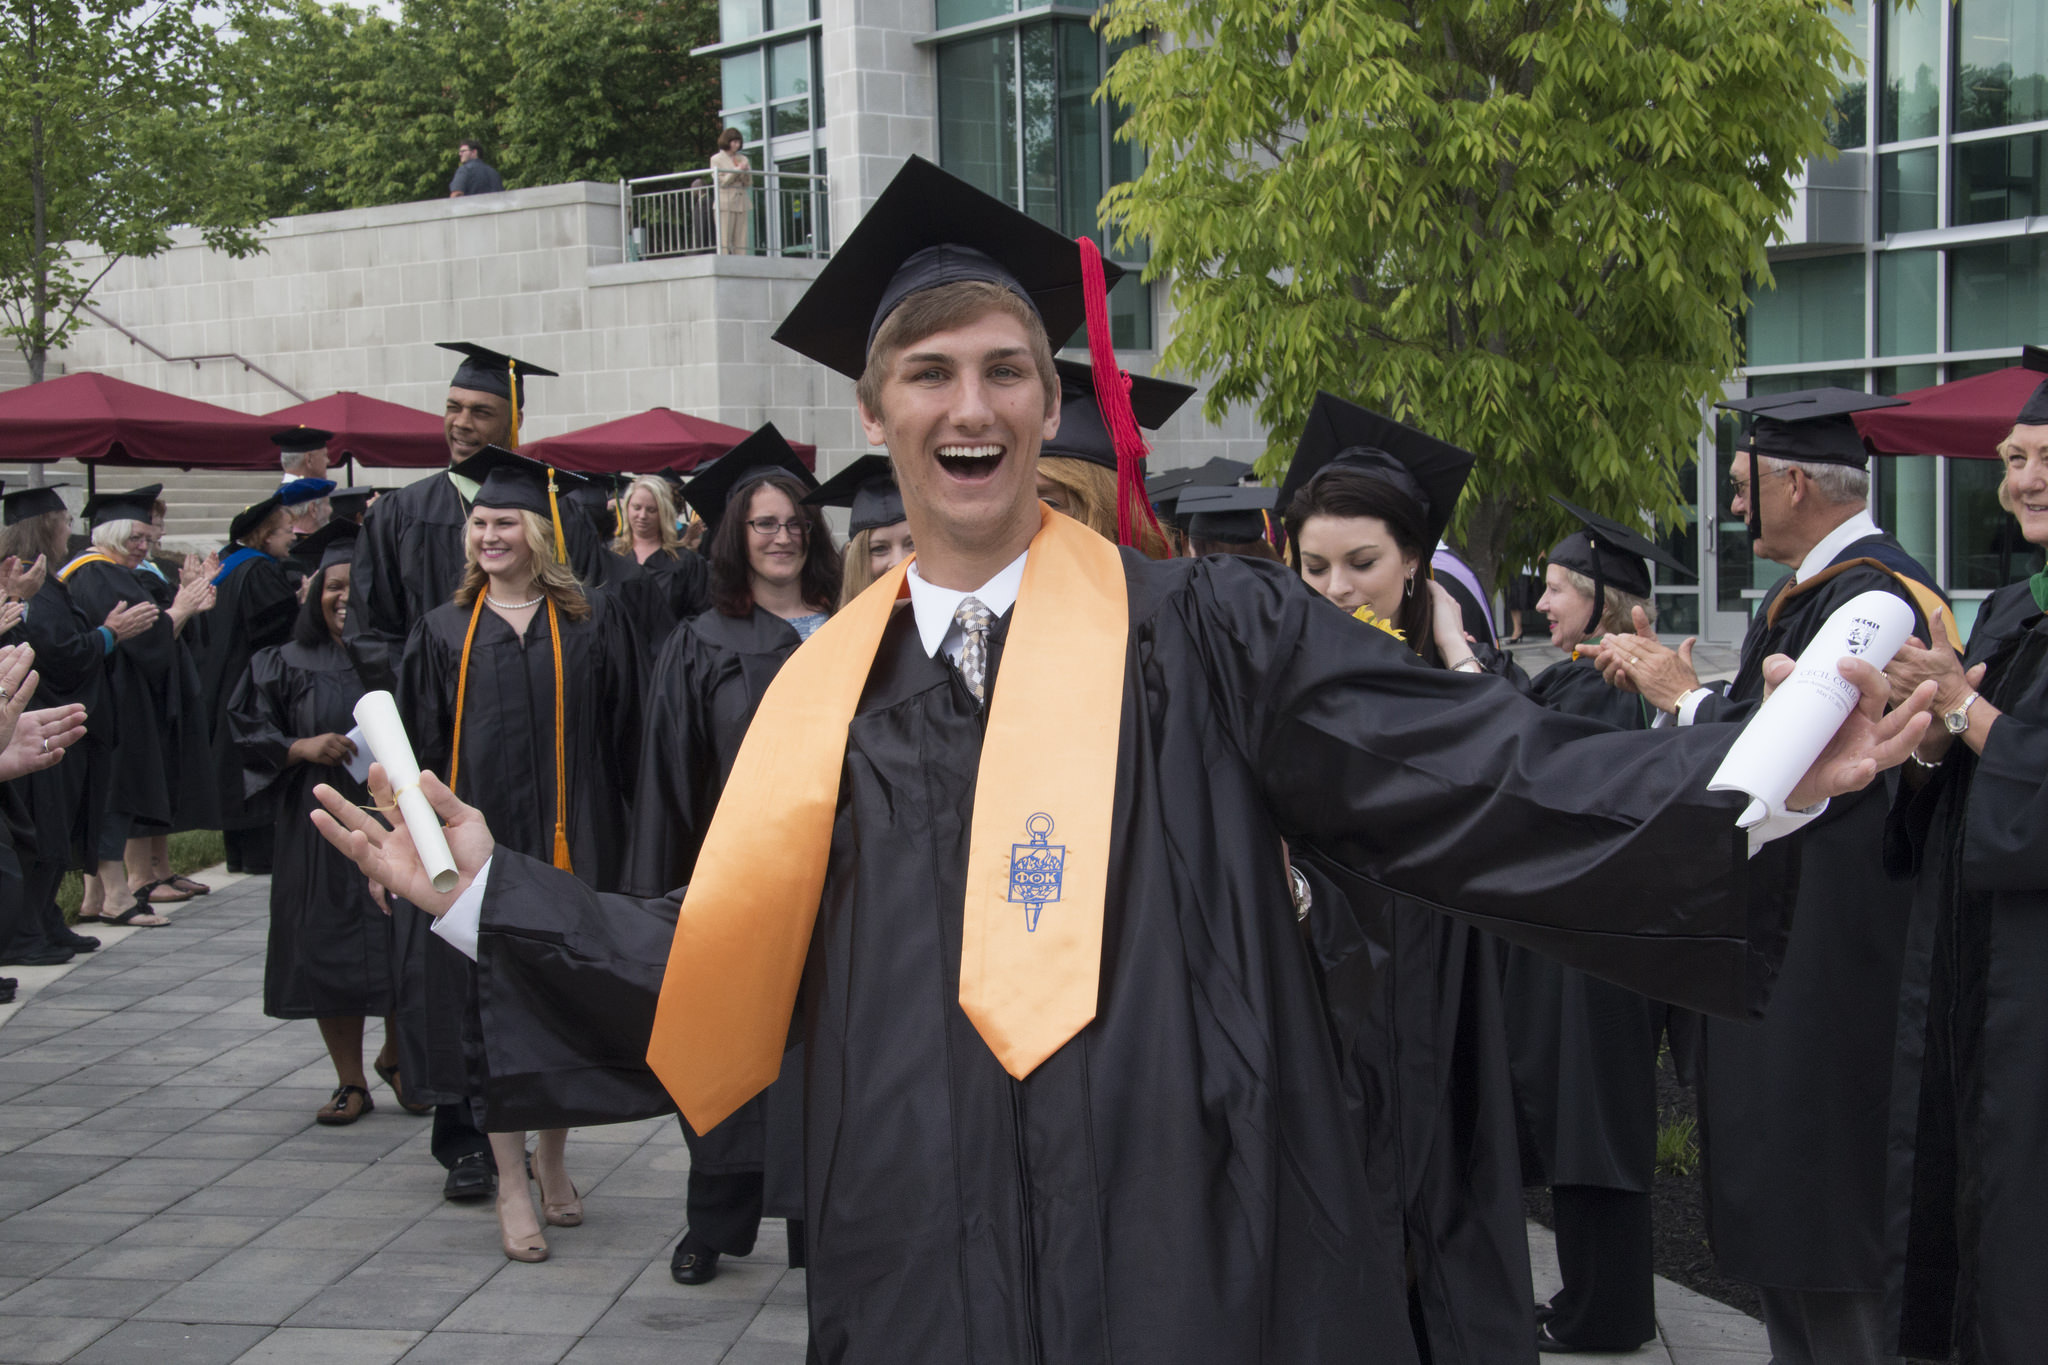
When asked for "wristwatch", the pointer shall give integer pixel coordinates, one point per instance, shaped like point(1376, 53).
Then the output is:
point(1958, 720)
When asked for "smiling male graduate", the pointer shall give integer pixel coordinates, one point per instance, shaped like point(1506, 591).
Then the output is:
point(1011, 854)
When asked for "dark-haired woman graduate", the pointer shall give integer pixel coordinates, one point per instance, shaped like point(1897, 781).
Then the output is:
point(1367, 500)
point(1584, 1051)
point(329, 956)
point(255, 604)
point(525, 691)
point(774, 580)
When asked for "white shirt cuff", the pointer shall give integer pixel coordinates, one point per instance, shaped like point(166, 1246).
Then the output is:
point(458, 927)
point(1773, 826)
point(1689, 704)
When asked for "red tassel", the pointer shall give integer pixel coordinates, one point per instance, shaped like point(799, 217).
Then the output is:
point(1113, 396)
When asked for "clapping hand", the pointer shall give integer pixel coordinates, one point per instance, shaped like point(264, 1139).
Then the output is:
point(127, 620)
point(19, 583)
point(40, 738)
point(387, 856)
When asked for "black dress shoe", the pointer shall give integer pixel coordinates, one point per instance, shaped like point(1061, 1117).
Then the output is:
point(46, 956)
point(471, 1177)
point(693, 1262)
point(77, 942)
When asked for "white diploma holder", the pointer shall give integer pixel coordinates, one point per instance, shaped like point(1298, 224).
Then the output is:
point(377, 721)
point(359, 766)
point(1789, 730)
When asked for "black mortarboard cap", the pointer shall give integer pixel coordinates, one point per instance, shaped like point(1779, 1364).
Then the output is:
point(301, 491)
point(1083, 435)
point(761, 454)
point(1428, 471)
point(1213, 472)
point(303, 438)
point(509, 481)
point(137, 504)
point(1610, 553)
point(1811, 426)
point(489, 371)
point(351, 503)
point(930, 228)
point(24, 503)
point(254, 515)
point(334, 543)
point(2035, 413)
point(1225, 511)
point(868, 488)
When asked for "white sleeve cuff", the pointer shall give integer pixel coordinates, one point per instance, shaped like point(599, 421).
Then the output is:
point(1777, 826)
point(1689, 704)
point(458, 927)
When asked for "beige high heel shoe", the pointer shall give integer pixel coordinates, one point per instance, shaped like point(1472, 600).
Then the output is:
point(529, 1247)
point(568, 1213)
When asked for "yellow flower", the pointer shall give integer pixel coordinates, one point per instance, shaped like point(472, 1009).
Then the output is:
point(1378, 622)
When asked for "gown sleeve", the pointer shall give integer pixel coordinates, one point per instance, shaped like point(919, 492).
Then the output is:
point(624, 667)
point(1598, 847)
point(678, 771)
point(256, 721)
point(70, 651)
point(375, 628)
point(567, 982)
point(424, 697)
point(2005, 824)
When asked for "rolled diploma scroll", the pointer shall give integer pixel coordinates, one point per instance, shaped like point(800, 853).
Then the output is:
point(377, 718)
point(1790, 729)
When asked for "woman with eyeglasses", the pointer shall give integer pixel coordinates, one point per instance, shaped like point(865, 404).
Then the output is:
point(774, 580)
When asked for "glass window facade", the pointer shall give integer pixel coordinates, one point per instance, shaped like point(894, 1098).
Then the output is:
point(1911, 105)
point(2001, 63)
point(1905, 302)
point(1998, 294)
point(1018, 118)
point(772, 93)
point(1909, 191)
point(1999, 179)
point(1813, 312)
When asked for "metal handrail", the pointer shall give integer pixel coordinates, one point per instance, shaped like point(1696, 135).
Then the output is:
point(194, 360)
point(680, 213)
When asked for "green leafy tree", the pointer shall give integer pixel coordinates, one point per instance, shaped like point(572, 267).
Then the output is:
point(1527, 226)
point(340, 107)
point(108, 126)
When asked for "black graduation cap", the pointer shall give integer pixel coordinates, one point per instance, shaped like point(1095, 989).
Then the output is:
point(868, 487)
point(137, 504)
point(489, 371)
point(25, 503)
point(1083, 435)
point(253, 516)
point(334, 543)
point(1430, 472)
point(509, 481)
point(350, 503)
point(2035, 413)
point(1811, 426)
point(1215, 471)
point(1610, 553)
point(930, 228)
point(301, 491)
point(303, 438)
point(761, 454)
point(1226, 511)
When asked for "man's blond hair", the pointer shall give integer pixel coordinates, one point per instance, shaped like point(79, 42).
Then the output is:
point(940, 309)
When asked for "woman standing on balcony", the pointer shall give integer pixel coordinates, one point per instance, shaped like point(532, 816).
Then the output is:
point(733, 175)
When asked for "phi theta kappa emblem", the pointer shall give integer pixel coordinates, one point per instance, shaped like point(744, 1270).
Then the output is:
point(1035, 870)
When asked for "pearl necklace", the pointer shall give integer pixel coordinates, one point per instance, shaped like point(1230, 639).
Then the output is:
point(515, 606)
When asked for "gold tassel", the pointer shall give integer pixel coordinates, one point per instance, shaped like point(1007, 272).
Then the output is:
point(561, 751)
point(512, 387)
point(555, 515)
point(462, 687)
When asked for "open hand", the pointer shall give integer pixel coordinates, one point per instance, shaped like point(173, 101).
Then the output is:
point(387, 856)
point(129, 620)
point(40, 739)
point(17, 684)
point(1869, 741)
point(23, 583)
point(329, 750)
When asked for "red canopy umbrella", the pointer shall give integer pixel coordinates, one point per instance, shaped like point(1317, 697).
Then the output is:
point(371, 431)
point(1966, 418)
point(103, 420)
point(647, 443)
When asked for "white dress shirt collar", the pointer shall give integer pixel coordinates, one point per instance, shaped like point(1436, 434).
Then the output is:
point(1833, 543)
point(934, 606)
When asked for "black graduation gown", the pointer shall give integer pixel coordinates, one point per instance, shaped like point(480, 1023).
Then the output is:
point(685, 580)
point(508, 772)
point(709, 680)
point(253, 609)
point(1970, 1096)
point(330, 944)
point(162, 768)
point(1792, 1109)
point(408, 560)
point(1583, 1051)
point(1182, 1181)
point(641, 600)
point(72, 659)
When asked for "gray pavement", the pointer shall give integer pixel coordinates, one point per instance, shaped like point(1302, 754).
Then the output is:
point(165, 1197)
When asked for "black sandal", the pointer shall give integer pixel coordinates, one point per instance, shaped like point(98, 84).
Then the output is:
point(338, 1112)
point(389, 1075)
point(134, 912)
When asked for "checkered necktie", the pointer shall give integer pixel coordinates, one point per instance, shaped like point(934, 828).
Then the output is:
point(974, 621)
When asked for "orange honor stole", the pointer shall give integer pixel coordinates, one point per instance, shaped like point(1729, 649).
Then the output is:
point(1038, 853)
